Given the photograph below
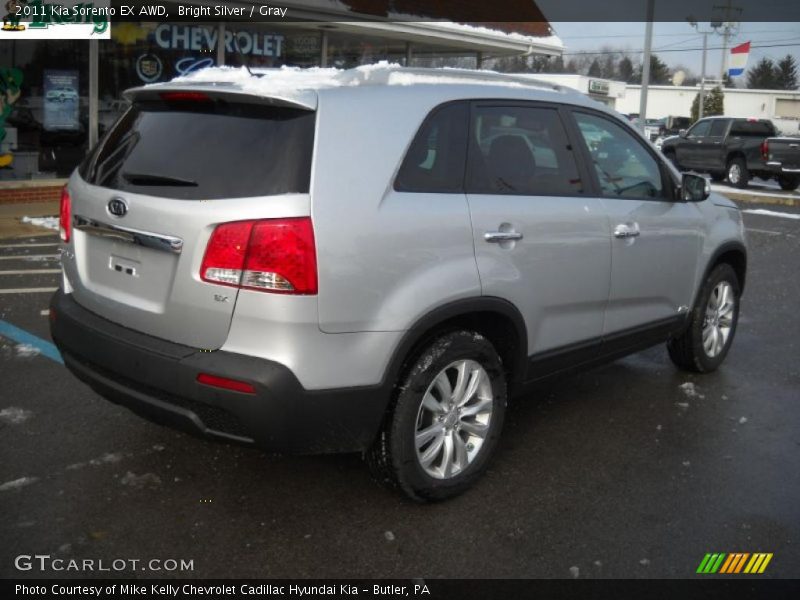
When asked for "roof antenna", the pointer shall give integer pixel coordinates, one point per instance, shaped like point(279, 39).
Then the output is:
point(241, 55)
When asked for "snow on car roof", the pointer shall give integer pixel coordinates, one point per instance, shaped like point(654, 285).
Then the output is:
point(291, 79)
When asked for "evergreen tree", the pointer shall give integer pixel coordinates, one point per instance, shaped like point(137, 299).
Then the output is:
point(608, 69)
point(659, 71)
point(713, 104)
point(625, 70)
point(786, 73)
point(763, 76)
point(594, 69)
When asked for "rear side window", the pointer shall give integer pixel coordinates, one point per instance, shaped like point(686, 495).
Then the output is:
point(436, 158)
point(521, 150)
point(752, 128)
point(206, 150)
point(718, 127)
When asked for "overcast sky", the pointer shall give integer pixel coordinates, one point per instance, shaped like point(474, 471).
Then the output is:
point(673, 42)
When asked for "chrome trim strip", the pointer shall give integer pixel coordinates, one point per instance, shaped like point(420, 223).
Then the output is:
point(166, 243)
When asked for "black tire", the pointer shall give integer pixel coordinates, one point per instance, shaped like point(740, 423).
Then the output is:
point(687, 351)
point(393, 457)
point(788, 183)
point(740, 181)
point(670, 156)
point(718, 176)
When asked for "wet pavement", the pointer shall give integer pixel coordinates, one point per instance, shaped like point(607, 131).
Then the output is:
point(634, 469)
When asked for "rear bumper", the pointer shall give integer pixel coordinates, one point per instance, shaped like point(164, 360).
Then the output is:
point(158, 380)
point(777, 167)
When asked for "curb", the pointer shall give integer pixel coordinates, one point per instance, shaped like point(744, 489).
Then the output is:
point(744, 199)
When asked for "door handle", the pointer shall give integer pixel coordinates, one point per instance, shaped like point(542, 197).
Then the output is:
point(624, 230)
point(495, 237)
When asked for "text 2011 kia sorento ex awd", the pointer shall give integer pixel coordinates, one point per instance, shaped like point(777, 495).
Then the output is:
point(375, 260)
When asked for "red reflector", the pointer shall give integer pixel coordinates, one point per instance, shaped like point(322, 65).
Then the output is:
point(225, 383)
point(185, 97)
point(65, 216)
point(764, 149)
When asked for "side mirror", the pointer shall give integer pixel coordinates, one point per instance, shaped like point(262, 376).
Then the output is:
point(682, 133)
point(694, 188)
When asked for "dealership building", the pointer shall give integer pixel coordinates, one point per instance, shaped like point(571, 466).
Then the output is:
point(70, 91)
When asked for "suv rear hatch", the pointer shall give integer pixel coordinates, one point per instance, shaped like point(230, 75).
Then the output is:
point(147, 200)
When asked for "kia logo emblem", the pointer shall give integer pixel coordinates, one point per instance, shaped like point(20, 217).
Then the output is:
point(117, 207)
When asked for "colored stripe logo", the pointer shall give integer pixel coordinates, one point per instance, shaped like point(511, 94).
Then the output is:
point(734, 563)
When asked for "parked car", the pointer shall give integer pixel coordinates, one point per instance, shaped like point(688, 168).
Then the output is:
point(736, 149)
point(252, 263)
point(61, 94)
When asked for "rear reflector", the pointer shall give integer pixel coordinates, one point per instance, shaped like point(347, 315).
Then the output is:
point(225, 383)
point(65, 216)
point(764, 150)
point(270, 255)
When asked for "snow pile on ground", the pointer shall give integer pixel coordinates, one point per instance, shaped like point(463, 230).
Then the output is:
point(14, 415)
point(107, 458)
point(17, 483)
point(771, 213)
point(690, 390)
point(140, 481)
point(27, 351)
point(46, 222)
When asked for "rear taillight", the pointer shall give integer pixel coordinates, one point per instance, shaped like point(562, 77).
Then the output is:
point(270, 255)
point(65, 216)
point(764, 149)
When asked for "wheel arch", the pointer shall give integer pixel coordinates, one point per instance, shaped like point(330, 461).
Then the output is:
point(496, 319)
point(732, 253)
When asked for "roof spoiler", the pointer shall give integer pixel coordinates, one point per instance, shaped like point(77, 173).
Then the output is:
point(306, 99)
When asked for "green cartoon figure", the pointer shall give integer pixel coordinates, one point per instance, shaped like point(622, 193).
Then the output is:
point(11, 22)
point(10, 90)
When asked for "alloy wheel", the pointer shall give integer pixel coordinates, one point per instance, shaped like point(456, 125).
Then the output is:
point(718, 321)
point(453, 419)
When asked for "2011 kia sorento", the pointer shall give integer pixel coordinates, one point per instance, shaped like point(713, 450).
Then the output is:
point(375, 260)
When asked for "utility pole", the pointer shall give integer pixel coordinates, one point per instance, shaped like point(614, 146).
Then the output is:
point(729, 29)
point(648, 44)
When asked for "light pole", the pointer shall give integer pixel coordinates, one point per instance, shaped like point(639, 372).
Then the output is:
point(648, 43)
point(704, 33)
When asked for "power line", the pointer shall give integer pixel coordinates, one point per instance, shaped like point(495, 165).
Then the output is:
point(627, 35)
point(602, 53)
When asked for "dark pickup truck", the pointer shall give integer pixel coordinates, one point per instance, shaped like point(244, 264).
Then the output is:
point(736, 149)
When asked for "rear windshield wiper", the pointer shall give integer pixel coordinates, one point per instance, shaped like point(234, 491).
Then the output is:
point(156, 179)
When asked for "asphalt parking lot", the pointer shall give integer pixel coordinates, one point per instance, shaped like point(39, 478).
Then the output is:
point(632, 470)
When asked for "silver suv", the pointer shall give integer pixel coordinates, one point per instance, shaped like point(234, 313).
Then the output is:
point(375, 260)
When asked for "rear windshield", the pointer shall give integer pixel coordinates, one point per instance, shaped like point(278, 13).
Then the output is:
point(205, 150)
point(752, 128)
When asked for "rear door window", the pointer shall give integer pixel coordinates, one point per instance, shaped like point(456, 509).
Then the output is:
point(206, 150)
point(521, 150)
point(718, 127)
